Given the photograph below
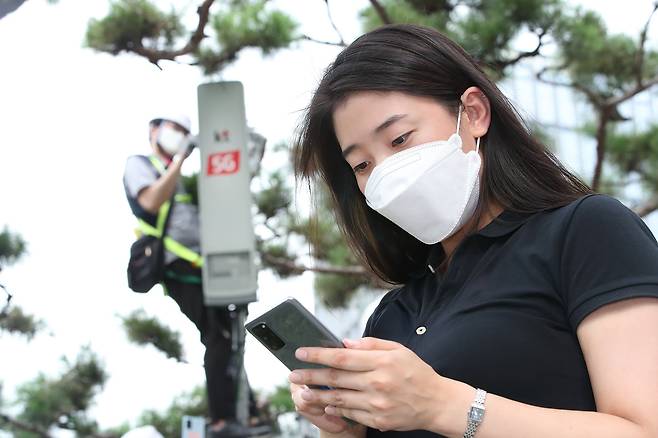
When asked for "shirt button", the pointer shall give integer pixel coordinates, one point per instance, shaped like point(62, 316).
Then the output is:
point(421, 330)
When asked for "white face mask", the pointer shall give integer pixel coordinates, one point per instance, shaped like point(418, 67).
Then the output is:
point(429, 190)
point(170, 140)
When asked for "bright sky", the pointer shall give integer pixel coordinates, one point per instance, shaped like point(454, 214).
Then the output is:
point(69, 119)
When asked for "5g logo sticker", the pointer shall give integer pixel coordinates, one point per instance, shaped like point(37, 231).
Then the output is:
point(223, 163)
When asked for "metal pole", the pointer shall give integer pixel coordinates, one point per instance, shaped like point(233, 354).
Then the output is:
point(238, 318)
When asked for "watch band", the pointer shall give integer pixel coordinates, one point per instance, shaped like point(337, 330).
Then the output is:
point(470, 430)
point(475, 413)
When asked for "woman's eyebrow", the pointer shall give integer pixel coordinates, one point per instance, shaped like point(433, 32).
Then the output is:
point(388, 122)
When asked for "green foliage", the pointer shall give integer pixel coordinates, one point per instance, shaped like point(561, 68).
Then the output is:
point(62, 402)
point(425, 13)
point(485, 28)
point(144, 330)
point(321, 231)
point(169, 422)
point(16, 321)
point(275, 197)
point(489, 28)
point(195, 403)
point(131, 22)
point(336, 290)
point(273, 202)
point(593, 58)
point(12, 247)
point(329, 246)
point(250, 23)
point(281, 253)
point(244, 24)
point(280, 401)
point(636, 153)
point(13, 319)
point(650, 65)
point(118, 431)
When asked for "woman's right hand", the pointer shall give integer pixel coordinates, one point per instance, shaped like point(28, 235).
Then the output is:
point(314, 412)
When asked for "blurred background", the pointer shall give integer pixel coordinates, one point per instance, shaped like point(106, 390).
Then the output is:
point(80, 354)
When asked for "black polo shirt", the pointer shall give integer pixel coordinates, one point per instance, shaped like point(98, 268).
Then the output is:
point(504, 315)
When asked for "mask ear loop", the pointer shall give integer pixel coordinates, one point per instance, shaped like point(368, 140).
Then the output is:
point(459, 117)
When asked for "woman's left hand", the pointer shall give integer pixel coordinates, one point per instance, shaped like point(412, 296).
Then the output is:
point(380, 384)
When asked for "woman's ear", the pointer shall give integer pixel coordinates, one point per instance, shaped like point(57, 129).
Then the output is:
point(478, 111)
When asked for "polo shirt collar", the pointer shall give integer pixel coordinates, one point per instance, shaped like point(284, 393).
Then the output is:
point(503, 224)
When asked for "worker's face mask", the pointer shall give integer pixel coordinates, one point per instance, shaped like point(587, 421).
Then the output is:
point(429, 190)
point(171, 140)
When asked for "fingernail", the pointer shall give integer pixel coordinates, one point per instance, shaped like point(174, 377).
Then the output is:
point(295, 377)
point(349, 342)
point(307, 394)
point(330, 410)
point(301, 354)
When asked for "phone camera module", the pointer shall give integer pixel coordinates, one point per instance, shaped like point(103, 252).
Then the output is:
point(267, 336)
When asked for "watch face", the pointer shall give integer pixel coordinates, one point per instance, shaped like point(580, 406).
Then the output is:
point(476, 414)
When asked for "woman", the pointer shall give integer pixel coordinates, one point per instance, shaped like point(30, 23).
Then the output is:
point(530, 304)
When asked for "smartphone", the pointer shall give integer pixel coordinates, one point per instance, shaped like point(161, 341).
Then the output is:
point(193, 427)
point(289, 326)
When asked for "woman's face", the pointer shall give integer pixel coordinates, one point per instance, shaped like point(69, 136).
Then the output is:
point(372, 126)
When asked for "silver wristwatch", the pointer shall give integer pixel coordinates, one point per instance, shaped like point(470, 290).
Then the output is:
point(475, 413)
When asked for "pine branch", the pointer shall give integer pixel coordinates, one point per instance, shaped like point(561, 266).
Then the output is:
point(4, 310)
point(637, 90)
point(331, 20)
point(383, 15)
point(329, 43)
point(217, 61)
point(601, 134)
point(501, 64)
point(256, 140)
point(641, 84)
point(606, 109)
point(643, 39)
point(292, 266)
point(591, 95)
point(272, 230)
point(154, 56)
point(17, 424)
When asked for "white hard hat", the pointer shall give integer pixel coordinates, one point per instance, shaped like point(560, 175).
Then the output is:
point(180, 119)
point(143, 432)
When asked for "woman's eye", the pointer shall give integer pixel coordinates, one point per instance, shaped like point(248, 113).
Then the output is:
point(360, 167)
point(401, 139)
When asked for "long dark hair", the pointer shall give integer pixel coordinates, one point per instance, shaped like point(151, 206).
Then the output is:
point(520, 174)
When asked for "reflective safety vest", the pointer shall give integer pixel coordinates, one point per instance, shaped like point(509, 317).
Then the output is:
point(170, 244)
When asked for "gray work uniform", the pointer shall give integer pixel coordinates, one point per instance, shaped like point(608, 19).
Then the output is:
point(183, 224)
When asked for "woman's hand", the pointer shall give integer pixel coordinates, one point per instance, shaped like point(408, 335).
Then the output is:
point(314, 411)
point(380, 384)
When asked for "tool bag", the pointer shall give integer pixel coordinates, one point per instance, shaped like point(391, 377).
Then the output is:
point(146, 264)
